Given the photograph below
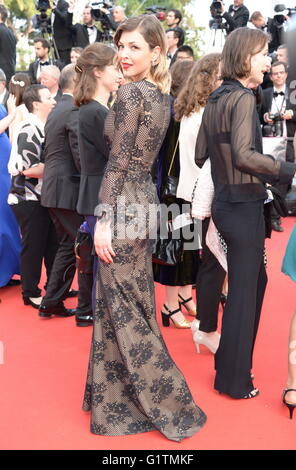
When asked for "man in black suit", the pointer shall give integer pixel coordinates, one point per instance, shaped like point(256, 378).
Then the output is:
point(61, 34)
point(278, 111)
point(42, 48)
point(60, 194)
point(3, 90)
point(237, 15)
point(86, 33)
point(7, 47)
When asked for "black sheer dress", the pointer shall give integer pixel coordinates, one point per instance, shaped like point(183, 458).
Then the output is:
point(230, 135)
point(133, 385)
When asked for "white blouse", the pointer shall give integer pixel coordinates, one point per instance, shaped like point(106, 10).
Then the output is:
point(189, 171)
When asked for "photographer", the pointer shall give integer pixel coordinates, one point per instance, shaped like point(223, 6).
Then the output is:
point(237, 15)
point(278, 116)
point(62, 35)
point(276, 27)
point(7, 46)
point(86, 33)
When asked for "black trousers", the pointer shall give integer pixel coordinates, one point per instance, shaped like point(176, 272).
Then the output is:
point(67, 223)
point(209, 283)
point(39, 242)
point(242, 227)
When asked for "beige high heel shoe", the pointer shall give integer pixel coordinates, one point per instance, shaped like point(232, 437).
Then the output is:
point(210, 340)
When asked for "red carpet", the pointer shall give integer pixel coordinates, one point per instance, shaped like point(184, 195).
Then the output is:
point(44, 367)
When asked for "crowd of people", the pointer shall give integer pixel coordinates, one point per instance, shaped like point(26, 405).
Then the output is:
point(89, 137)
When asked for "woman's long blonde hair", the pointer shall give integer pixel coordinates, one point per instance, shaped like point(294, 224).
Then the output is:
point(153, 33)
point(201, 82)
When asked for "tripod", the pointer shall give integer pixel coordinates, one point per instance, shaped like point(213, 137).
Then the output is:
point(217, 38)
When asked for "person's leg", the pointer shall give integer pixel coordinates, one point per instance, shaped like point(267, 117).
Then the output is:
point(171, 304)
point(242, 227)
point(66, 223)
point(185, 293)
point(209, 284)
point(31, 219)
point(290, 397)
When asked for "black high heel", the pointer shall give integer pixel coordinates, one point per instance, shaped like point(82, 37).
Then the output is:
point(223, 299)
point(166, 317)
point(291, 406)
point(183, 302)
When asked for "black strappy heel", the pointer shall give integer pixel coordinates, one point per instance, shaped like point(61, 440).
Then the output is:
point(166, 317)
point(183, 302)
point(291, 406)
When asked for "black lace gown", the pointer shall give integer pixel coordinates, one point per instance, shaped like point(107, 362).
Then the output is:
point(133, 385)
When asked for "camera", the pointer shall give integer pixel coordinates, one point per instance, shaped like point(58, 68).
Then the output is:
point(277, 125)
point(99, 15)
point(42, 5)
point(216, 9)
point(96, 10)
point(156, 10)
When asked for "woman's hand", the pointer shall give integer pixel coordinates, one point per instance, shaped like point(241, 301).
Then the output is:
point(11, 106)
point(102, 242)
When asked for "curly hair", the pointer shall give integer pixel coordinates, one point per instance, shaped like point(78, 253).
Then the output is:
point(201, 82)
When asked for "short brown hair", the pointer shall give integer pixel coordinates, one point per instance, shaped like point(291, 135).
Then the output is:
point(19, 82)
point(239, 45)
point(277, 63)
point(257, 15)
point(95, 56)
point(31, 94)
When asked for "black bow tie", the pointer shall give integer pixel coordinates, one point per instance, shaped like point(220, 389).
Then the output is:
point(90, 27)
point(281, 93)
point(44, 63)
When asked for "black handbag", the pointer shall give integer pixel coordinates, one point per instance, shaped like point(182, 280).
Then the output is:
point(167, 251)
point(169, 191)
point(83, 251)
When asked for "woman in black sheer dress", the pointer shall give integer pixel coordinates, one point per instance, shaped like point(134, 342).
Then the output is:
point(230, 135)
point(133, 385)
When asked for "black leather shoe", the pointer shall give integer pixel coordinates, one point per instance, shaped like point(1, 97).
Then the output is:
point(276, 226)
point(58, 310)
point(72, 293)
point(13, 282)
point(84, 320)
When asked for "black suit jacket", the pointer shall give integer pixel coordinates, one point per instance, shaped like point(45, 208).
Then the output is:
point(7, 51)
point(238, 20)
point(80, 33)
point(266, 104)
point(62, 34)
point(93, 152)
point(62, 166)
point(33, 67)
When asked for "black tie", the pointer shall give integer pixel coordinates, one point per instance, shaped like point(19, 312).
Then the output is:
point(44, 63)
point(281, 93)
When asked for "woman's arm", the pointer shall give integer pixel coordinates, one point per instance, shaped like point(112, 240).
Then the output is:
point(244, 155)
point(11, 108)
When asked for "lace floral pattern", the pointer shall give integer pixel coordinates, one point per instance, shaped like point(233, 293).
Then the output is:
point(133, 385)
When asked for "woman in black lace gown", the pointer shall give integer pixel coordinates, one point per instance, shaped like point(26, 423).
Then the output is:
point(133, 385)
